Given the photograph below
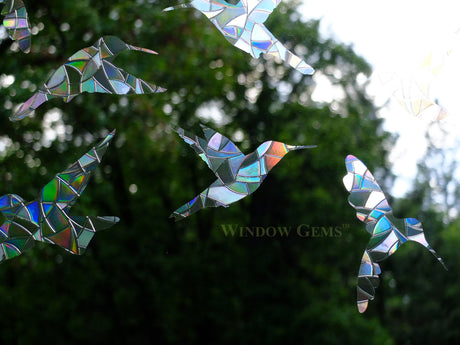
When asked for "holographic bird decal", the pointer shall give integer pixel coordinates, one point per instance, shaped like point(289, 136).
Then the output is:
point(238, 175)
point(16, 23)
point(90, 70)
point(243, 26)
point(388, 232)
point(47, 218)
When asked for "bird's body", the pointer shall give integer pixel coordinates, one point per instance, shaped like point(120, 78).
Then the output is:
point(243, 26)
point(46, 218)
point(16, 22)
point(388, 232)
point(238, 175)
point(90, 70)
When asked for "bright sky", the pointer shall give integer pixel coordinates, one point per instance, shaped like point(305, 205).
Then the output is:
point(396, 36)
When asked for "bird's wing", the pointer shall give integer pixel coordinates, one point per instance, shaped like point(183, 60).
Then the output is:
point(57, 197)
point(215, 149)
point(262, 41)
point(68, 185)
point(16, 22)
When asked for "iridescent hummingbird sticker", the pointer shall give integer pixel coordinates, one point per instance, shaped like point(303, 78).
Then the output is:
point(388, 232)
point(47, 219)
point(243, 26)
point(90, 70)
point(238, 175)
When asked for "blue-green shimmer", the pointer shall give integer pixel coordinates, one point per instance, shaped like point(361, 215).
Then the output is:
point(90, 70)
point(388, 232)
point(47, 218)
point(238, 175)
point(16, 23)
point(242, 24)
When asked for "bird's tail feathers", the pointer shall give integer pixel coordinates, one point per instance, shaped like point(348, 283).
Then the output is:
point(187, 209)
point(280, 51)
point(30, 105)
point(432, 251)
point(86, 227)
point(140, 86)
point(188, 5)
point(194, 205)
point(98, 223)
point(298, 63)
point(420, 238)
point(188, 137)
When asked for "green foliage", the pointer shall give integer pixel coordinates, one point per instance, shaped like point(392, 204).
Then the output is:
point(149, 280)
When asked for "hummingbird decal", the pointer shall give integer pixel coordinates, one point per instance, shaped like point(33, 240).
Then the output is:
point(90, 70)
point(238, 175)
point(243, 26)
point(46, 219)
point(16, 23)
point(388, 232)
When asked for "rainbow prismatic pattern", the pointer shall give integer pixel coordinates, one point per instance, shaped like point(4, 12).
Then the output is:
point(243, 26)
point(90, 70)
point(388, 232)
point(47, 218)
point(238, 175)
point(16, 23)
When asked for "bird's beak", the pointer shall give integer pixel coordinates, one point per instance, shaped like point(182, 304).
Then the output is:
point(144, 50)
point(299, 147)
point(187, 5)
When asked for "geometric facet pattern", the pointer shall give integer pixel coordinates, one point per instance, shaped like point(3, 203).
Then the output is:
point(238, 175)
point(47, 218)
point(243, 26)
point(387, 232)
point(16, 23)
point(90, 70)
